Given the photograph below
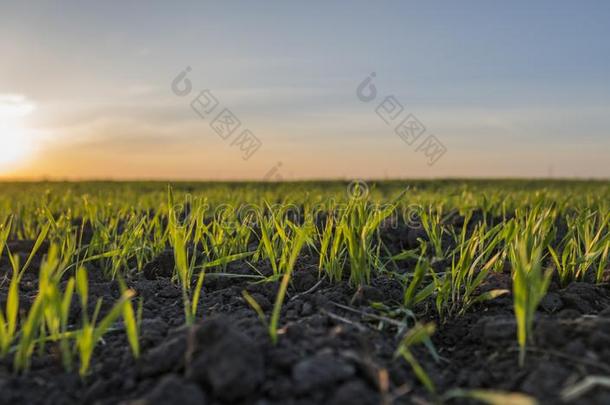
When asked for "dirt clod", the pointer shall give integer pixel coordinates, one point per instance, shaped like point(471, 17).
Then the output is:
point(226, 361)
point(166, 357)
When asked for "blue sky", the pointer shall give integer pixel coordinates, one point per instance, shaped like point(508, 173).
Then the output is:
point(509, 88)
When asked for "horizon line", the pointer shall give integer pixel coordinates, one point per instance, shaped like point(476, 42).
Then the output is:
point(299, 180)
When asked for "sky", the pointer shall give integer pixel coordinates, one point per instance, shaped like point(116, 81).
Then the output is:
point(92, 90)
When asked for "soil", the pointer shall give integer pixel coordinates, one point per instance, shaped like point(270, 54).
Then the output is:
point(333, 347)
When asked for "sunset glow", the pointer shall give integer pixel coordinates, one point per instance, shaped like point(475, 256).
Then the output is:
point(15, 138)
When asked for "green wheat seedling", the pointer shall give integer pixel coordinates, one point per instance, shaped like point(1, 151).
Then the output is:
point(47, 318)
point(128, 244)
point(476, 260)
point(332, 250)
point(48, 303)
point(298, 241)
point(220, 241)
point(359, 227)
point(131, 320)
point(55, 303)
point(179, 236)
point(532, 232)
point(471, 263)
point(278, 240)
point(585, 247)
point(91, 331)
point(9, 320)
point(219, 244)
point(273, 241)
point(413, 293)
point(184, 269)
point(566, 264)
point(28, 334)
point(530, 284)
point(418, 334)
point(5, 230)
point(432, 222)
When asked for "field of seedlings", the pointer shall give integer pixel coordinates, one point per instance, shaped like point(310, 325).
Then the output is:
point(391, 292)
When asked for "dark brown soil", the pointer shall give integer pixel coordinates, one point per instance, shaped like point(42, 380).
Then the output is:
point(327, 353)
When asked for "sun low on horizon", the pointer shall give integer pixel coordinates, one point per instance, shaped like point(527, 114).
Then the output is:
point(16, 142)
